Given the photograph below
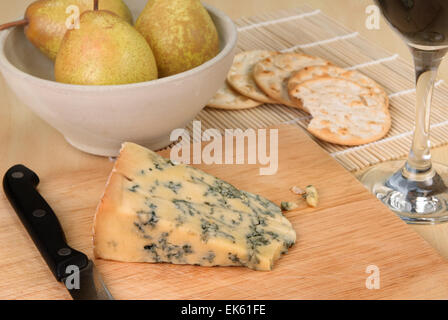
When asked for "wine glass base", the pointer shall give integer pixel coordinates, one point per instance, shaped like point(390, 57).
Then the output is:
point(423, 202)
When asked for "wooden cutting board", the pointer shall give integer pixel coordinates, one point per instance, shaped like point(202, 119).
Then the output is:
point(349, 231)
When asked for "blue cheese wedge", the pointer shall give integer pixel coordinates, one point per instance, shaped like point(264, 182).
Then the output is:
point(155, 211)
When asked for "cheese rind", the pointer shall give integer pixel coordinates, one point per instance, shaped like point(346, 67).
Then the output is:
point(155, 211)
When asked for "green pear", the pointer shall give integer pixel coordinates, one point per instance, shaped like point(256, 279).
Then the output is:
point(47, 20)
point(105, 50)
point(180, 32)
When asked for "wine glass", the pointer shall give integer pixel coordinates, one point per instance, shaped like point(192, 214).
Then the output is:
point(416, 189)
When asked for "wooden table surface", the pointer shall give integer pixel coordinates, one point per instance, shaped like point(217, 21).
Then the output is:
point(28, 140)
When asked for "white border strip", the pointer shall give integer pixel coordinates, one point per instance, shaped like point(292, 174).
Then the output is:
point(403, 92)
point(325, 41)
point(373, 62)
point(401, 135)
point(267, 23)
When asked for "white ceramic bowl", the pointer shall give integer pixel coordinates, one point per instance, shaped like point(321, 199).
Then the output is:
point(97, 119)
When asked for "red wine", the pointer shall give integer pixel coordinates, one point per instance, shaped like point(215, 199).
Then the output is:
point(420, 22)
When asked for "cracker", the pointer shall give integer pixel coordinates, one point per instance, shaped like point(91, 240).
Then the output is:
point(344, 112)
point(240, 76)
point(315, 72)
point(228, 99)
point(272, 74)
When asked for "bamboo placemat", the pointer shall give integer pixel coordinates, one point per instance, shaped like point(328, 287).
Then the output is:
point(310, 31)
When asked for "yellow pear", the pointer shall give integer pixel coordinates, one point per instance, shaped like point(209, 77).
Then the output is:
point(105, 50)
point(48, 20)
point(180, 32)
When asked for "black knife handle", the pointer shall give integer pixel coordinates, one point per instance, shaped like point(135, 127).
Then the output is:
point(19, 184)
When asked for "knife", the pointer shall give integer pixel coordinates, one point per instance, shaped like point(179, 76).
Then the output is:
point(68, 265)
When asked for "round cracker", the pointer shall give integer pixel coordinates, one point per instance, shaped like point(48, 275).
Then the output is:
point(344, 112)
point(272, 74)
point(315, 72)
point(228, 99)
point(240, 76)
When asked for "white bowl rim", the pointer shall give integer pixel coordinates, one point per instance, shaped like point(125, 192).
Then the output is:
point(229, 46)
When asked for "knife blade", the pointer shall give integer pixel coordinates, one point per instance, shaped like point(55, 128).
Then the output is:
point(93, 287)
point(68, 265)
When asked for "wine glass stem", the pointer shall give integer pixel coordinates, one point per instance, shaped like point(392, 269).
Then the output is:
point(426, 67)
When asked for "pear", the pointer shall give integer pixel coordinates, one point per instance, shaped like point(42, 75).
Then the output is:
point(105, 50)
point(180, 32)
point(47, 20)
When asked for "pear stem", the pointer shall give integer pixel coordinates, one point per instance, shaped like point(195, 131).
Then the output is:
point(13, 24)
point(95, 5)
